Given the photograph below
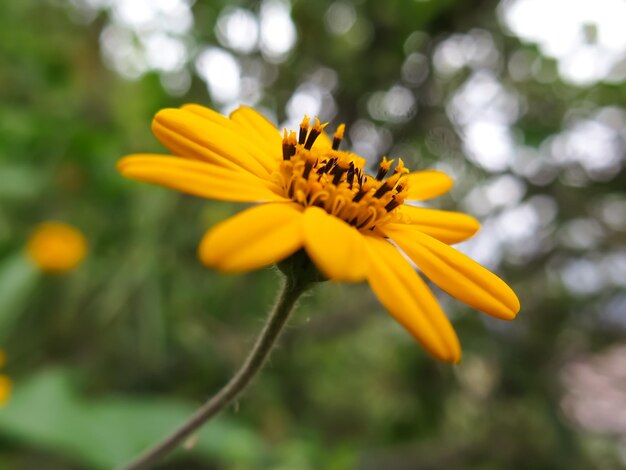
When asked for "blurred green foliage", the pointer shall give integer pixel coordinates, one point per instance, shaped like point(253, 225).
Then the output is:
point(110, 357)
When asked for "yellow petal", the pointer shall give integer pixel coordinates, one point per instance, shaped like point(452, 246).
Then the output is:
point(267, 151)
point(407, 298)
point(207, 113)
point(257, 127)
point(197, 178)
point(190, 135)
point(256, 237)
point(188, 149)
point(457, 274)
point(335, 247)
point(427, 184)
point(446, 226)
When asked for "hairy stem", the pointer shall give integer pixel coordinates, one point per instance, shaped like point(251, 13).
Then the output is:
point(292, 289)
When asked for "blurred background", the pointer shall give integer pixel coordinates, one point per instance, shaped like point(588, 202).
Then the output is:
point(520, 101)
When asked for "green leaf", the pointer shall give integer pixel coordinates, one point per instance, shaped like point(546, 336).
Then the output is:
point(47, 413)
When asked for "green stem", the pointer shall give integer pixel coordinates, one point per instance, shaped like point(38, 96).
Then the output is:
point(291, 291)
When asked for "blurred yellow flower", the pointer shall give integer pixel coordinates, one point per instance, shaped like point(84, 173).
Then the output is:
point(5, 383)
point(56, 247)
point(318, 198)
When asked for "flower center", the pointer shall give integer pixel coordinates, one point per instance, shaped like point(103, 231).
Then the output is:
point(334, 180)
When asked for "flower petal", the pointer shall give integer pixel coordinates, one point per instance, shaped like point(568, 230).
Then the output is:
point(256, 237)
point(197, 178)
point(266, 149)
point(259, 128)
point(189, 135)
point(427, 184)
point(401, 290)
point(446, 226)
point(335, 247)
point(188, 149)
point(457, 274)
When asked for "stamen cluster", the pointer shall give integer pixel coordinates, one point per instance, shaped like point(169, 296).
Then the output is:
point(335, 180)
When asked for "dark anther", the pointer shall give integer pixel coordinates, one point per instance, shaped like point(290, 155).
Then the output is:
point(359, 176)
point(358, 196)
point(308, 166)
point(336, 143)
point(391, 205)
point(350, 176)
point(399, 188)
point(289, 150)
point(315, 132)
point(381, 173)
point(302, 135)
point(338, 173)
point(384, 188)
point(329, 165)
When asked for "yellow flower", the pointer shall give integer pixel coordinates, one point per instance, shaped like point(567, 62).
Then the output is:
point(5, 383)
point(315, 197)
point(56, 247)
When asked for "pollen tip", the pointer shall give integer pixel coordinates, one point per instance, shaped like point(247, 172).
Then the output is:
point(383, 168)
point(318, 126)
point(341, 128)
point(400, 168)
point(338, 137)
